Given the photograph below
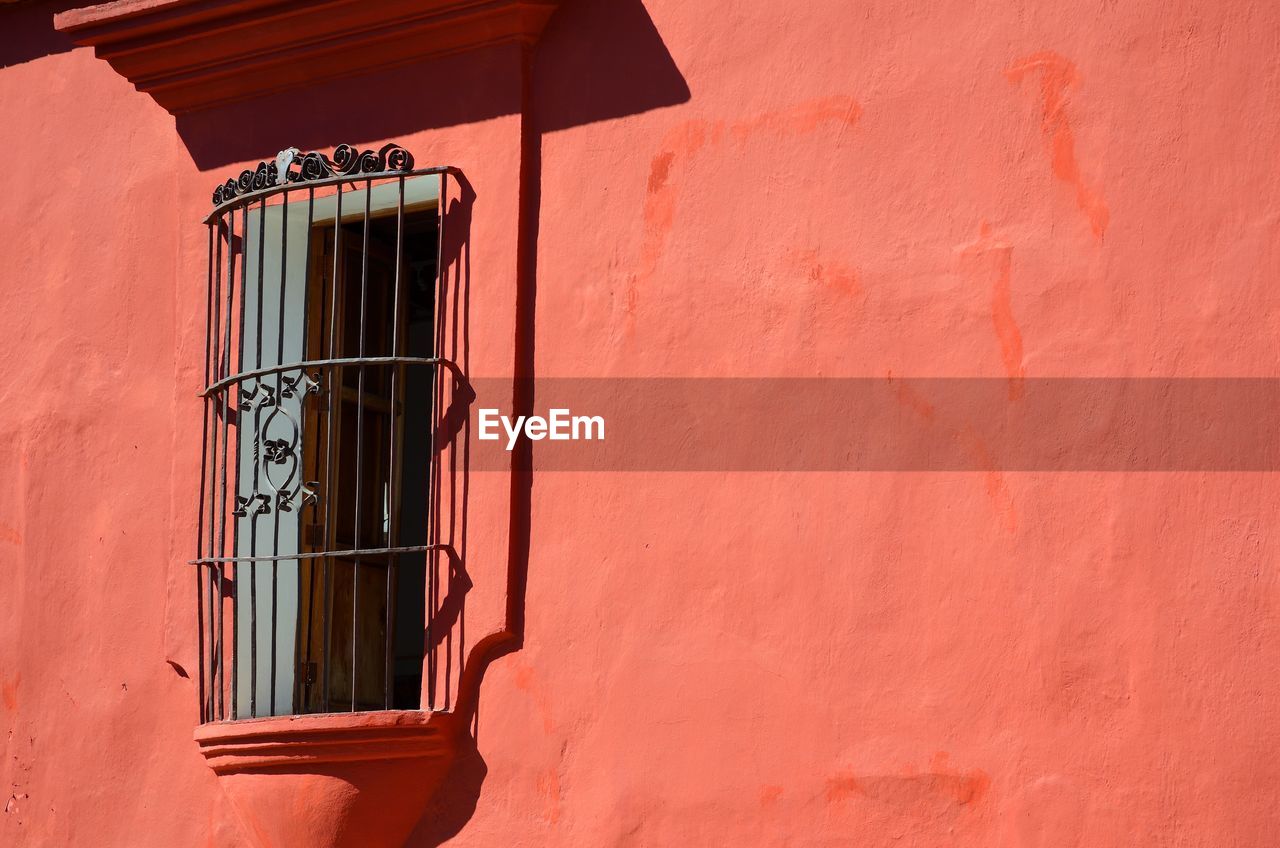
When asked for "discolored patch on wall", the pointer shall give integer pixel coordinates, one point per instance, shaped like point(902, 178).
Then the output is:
point(989, 261)
point(1058, 77)
point(691, 138)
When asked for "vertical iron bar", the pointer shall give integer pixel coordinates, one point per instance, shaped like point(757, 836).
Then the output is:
point(433, 466)
point(215, 701)
point(232, 391)
point(275, 533)
point(222, 398)
point(355, 579)
point(211, 404)
point(305, 691)
point(331, 478)
point(393, 477)
point(204, 473)
point(252, 509)
point(200, 638)
point(214, 658)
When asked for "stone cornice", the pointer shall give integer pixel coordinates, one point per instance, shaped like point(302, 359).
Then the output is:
point(194, 54)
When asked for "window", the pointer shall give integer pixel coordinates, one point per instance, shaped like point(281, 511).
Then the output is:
point(314, 531)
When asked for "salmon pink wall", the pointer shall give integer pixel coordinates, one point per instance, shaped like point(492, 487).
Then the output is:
point(1022, 659)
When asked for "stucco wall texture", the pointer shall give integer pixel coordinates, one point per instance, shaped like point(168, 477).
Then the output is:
point(984, 658)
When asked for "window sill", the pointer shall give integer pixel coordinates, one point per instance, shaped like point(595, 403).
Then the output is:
point(333, 780)
point(195, 54)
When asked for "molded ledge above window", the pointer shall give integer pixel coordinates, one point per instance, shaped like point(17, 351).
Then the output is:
point(194, 54)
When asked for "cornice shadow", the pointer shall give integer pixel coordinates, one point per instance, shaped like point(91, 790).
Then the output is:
point(597, 60)
point(29, 33)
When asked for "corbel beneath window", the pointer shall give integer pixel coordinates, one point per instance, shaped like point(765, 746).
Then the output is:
point(194, 54)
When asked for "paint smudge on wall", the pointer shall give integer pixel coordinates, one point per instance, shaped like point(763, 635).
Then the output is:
point(992, 259)
point(527, 682)
point(549, 789)
point(939, 787)
point(690, 138)
point(1058, 77)
point(842, 786)
point(836, 276)
point(911, 399)
point(994, 483)
point(9, 694)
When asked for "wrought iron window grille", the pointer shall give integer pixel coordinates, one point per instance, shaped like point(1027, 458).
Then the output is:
point(319, 454)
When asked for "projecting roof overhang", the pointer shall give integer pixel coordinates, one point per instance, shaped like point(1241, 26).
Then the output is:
point(193, 54)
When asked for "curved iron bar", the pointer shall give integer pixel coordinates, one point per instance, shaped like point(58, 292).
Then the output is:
point(214, 388)
point(314, 170)
point(267, 451)
point(351, 554)
point(347, 160)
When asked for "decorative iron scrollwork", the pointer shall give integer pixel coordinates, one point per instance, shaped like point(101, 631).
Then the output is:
point(302, 384)
point(255, 504)
point(276, 444)
point(293, 166)
point(278, 451)
point(263, 176)
point(260, 395)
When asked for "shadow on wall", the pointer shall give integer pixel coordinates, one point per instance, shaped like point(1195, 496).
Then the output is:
point(455, 802)
point(602, 59)
point(598, 59)
point(29, 34)
point(447, 589)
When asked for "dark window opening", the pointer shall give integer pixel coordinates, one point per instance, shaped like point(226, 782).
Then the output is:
point(377, 406)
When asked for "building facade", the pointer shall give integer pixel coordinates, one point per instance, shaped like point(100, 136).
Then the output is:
point(1010, 606)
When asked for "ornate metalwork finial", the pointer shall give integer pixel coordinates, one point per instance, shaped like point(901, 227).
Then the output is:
point(293, 166)
point(283, 160)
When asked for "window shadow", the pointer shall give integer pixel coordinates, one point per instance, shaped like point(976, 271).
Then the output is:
point(454, 803)
point(448, 582)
